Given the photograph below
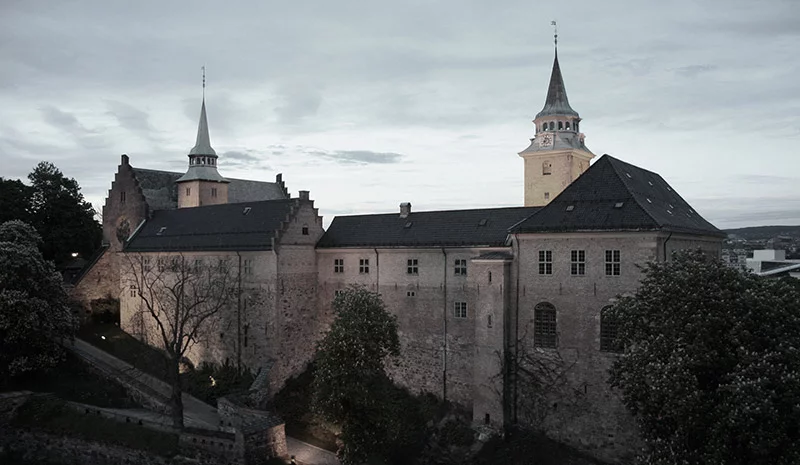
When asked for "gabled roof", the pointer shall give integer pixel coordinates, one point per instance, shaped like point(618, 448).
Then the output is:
point(556, 102)
point(616, 196)
point(484, 227)
point(161, 191)
point(243, 226)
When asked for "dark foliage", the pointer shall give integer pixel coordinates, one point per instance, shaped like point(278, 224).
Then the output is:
point(711, 364)
point(210, 382)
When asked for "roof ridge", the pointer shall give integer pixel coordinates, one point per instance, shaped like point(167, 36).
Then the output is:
point(435, 211)
point(627, 188)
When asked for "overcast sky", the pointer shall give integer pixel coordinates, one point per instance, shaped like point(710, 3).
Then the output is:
point(371, 103)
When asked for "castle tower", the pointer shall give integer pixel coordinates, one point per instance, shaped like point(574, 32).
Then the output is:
point(557, 154)
point(202, 183)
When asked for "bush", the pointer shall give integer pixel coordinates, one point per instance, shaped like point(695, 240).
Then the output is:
point(210, 382)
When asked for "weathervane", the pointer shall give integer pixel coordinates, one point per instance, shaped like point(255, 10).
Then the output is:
point(204, 81)
point(555, 32)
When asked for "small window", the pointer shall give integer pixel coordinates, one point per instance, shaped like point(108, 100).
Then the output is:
point(411, 294)
point(246, 331)
point(338, 292)
point(198, 264)
point(412, 266)
point(248, 267)
point(545, 262)
point(188, 190)
point(338, 265)
point(147, 266)
point(552, 126)
point(122, 197)
point(363, 265)
point(161, 230)
point(460, 310)
point(578, 262)
point(619, 204)
point(544, 326)
point(612, 262)
point(567, 125)
point(608, 332)
point(134, 290)
point(560, 125)
point(489, 321)
point(305, 230)
point(570, 208)
point(547, 168)
point(490, 276)
point(483, 222)
point(461, 267)
point(408, 225)
point(547, 196)
point(246, 210)
point(213, 192)
point(487, 419)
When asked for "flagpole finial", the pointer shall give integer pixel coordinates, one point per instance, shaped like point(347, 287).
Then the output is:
point(555, 33)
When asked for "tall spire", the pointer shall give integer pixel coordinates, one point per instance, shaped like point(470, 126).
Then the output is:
point(556, 102)
point(203, 144)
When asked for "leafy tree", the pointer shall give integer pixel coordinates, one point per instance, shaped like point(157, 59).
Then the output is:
point(350, 386)
point(177, 301)
point(59, 211)
point(15, 200)
point(34, 315)
point(711, 368)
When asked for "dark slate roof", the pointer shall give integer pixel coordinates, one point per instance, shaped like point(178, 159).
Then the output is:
point(452, 228)
point(616, 196)
point(212, 228)
point(161, 192)
point(494, 256)
point(556, 102)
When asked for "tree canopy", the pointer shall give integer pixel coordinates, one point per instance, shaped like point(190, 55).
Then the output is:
point(34, 314)
point(54, 205)
point(711, 368)
point(351, 387)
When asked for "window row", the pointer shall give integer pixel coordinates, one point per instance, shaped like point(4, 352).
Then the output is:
point(412, 266)
point(577, 262)
point(545, 328)
point(559, 125)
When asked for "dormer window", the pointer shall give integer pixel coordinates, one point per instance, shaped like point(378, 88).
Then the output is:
point(570, 208)
point(161, 230)
point(246, 210)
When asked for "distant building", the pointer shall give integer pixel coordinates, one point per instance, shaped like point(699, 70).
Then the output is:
point(471, 288)
point(773, 263)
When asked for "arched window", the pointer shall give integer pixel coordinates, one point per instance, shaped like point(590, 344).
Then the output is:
point(544, 325)
point(560, 125)
point(608, 332)
point(547, 168)
point(552, 126)
point(567, 125)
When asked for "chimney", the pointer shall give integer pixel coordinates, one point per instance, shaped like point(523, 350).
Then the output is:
point(303, 195)
point(124, 160)
point(405, 209)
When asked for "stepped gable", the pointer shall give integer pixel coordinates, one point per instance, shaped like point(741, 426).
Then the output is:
point(243, 226)
point(485, 227)
point(616, 196)
point(161, 191)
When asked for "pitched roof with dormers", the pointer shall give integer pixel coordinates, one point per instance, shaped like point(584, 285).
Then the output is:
point(243, 226)
point(485, 227)
point(616, 196)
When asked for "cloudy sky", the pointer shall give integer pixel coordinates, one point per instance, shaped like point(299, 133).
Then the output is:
point(371, 103)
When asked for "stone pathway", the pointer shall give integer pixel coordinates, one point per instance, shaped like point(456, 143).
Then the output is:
point(196, 413)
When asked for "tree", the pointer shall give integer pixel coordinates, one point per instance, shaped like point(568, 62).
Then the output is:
point(711, 364)
point(177, 301)
point(350, 380)
point(15, 200)
point(59, 211)
point(34, 315)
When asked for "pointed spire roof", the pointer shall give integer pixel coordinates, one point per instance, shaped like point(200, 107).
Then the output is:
point(557, 102)
point(203, 144)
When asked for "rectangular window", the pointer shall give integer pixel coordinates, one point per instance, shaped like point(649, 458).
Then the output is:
point(133, 290)
point(578, 262)
point(488, 321)
point(147, 266)
point(198, 264)
point(248, 267)
point(122, 197)
point(188, 190)
point(412, 266)
point(461, 267)
point(363, 265)
point(338, 292)
point(547, 196)
point(213, 192)
point(160, 263)
point(338, 265)
point(460, 310)
point(545, 262)
point(612, 262)
point(411, 293)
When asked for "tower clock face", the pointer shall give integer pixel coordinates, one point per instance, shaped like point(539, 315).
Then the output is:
point(545, 140)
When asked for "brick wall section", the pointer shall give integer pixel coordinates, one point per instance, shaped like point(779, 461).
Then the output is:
point(566, 166)
point(586, 413)
point(198, 193)
point(125, 204)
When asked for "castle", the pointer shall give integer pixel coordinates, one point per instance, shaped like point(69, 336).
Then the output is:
point(473, 290)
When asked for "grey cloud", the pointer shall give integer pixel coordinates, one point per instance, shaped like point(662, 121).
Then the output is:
point(693, 70)
point(296, 103)
point(358, 157)
point(62, 120)
point(131, 118)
